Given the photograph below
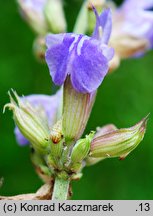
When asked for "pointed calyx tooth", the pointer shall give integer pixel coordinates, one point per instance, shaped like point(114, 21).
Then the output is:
point(76, 111)
point(29, 122)
point(118, 143)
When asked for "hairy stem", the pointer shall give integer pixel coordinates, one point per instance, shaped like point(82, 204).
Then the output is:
point(61, 187)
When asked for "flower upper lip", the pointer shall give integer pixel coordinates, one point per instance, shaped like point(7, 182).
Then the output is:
point(84, 58)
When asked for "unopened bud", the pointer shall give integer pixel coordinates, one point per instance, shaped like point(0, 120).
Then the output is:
point(118, 143)
point(39, 48)
point(56, 133)
point(76, 111)
point(33, 12)
point(55, 16)
point(56, 150)
point(81, 149)
point(57, 140)
point(30, 123)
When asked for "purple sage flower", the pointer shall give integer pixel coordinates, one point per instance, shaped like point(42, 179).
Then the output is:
point(135, 20)
point(48, 108)
point(85, 59)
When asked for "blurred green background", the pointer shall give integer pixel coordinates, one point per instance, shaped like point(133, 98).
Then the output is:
point(124, 98)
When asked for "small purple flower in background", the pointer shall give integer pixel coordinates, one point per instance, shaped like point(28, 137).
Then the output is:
point(46, 106)
point(85, 59)
point(132, 31)
point(132, 27)
point(142, 26)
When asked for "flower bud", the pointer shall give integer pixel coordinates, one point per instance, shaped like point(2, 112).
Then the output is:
point(56, 136)
point(55, 16)
point(118, 143)
point(39, 48)
point(33, 12)
point(30, 123)
point(76, 111)
point(56, 153)
point(81, 149)
point(56, 133)
point(100, 132)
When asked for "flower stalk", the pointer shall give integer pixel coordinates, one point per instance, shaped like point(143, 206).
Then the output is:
point(61, 189)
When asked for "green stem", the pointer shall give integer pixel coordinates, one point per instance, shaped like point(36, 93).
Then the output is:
point(61, 187)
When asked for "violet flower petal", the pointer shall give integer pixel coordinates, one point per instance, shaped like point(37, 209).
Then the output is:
point(105, 22)
point(108, 52)
point(22, 141)
point(57, 57)
point(84, 58)
point(54, 39)
point(89, 68)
